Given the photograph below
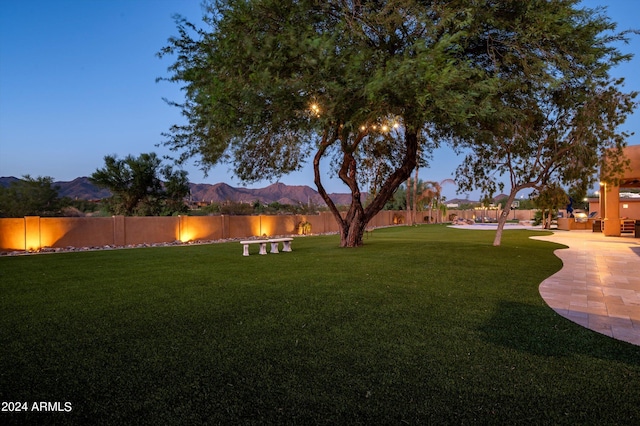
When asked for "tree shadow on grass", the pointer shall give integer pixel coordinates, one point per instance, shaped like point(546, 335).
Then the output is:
point(540, 331)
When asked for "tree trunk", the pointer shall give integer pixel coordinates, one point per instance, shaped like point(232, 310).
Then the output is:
point(545, 223)
point(408, 221)
point(351, 234)
point(353, 224)
point(415, 197)
point(502, 220)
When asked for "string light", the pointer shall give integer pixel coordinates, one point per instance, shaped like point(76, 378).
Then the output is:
point(315, 110)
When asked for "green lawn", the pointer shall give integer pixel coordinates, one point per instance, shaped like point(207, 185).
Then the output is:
point(422, 325)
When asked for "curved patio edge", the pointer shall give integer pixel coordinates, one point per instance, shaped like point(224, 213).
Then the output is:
point(598, 286)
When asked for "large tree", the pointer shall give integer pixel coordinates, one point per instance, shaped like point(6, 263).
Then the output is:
point(559, 111)
point(142, 186)
point(551, 199)
point(30, 197)
point(269, 83)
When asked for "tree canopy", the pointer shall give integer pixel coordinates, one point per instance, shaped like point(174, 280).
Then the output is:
point(549, 200)
point(559, 112)
point(375, 86)
point(30, 197)
point(369, 84)
point(142, 186)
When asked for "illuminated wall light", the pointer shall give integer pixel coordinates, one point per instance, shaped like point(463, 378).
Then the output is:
point(266, 227)
point(186, 235)
point(32, 233)
point(189, 229)
point(625, 206)
point(32, 244)
point(255, 224)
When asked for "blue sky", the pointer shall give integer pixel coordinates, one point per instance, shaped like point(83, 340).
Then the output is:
point(77, 82)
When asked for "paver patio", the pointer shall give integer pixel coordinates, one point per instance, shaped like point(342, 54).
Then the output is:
point(598, 286)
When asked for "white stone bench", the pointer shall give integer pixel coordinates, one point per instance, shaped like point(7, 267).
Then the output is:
point(286, 245)
point(245, 246)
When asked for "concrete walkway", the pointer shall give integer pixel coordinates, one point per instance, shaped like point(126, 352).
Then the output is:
point(598, 286)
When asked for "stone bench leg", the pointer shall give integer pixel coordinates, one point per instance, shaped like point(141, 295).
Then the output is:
point(245, 249)
point(274, 247)
point(286, 246)
point(263, 248)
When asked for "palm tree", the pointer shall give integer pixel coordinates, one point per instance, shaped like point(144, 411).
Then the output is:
point(432, 194)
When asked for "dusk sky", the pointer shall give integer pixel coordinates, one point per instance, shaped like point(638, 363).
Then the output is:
point(78, 82)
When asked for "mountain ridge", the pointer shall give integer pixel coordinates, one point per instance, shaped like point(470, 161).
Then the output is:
point(81, 188)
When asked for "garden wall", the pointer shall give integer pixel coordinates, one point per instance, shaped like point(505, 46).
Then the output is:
point(34, 232)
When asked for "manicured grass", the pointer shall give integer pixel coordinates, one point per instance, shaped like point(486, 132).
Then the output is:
point(421, 325)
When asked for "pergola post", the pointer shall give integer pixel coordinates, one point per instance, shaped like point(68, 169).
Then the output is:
point(611, 195)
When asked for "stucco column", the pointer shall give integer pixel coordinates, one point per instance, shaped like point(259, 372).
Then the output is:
point(182, 231)
point(32, 233)
point(611, 210)
point(224, 225)
point(602, 201)
point(119, 231)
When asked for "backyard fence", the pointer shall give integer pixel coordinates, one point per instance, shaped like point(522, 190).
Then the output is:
point(34, 232)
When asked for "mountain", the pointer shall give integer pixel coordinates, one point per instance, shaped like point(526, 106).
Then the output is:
point(79, 188)
point(277, 192)
point(5, 182)
point(460, 201)
point(82, 188)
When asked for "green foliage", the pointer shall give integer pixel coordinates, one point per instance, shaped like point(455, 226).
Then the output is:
point(545, 216)
point(549, 201)
point(84, 206)
point(399, 199)
point(553, 197)
point(578, 197)
point(30, 197)
point(236, 208)
point(201, 335)
point(240, 208)
point(522, 203)
point(368, 85)
point(142, 186)
point(559, 110)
